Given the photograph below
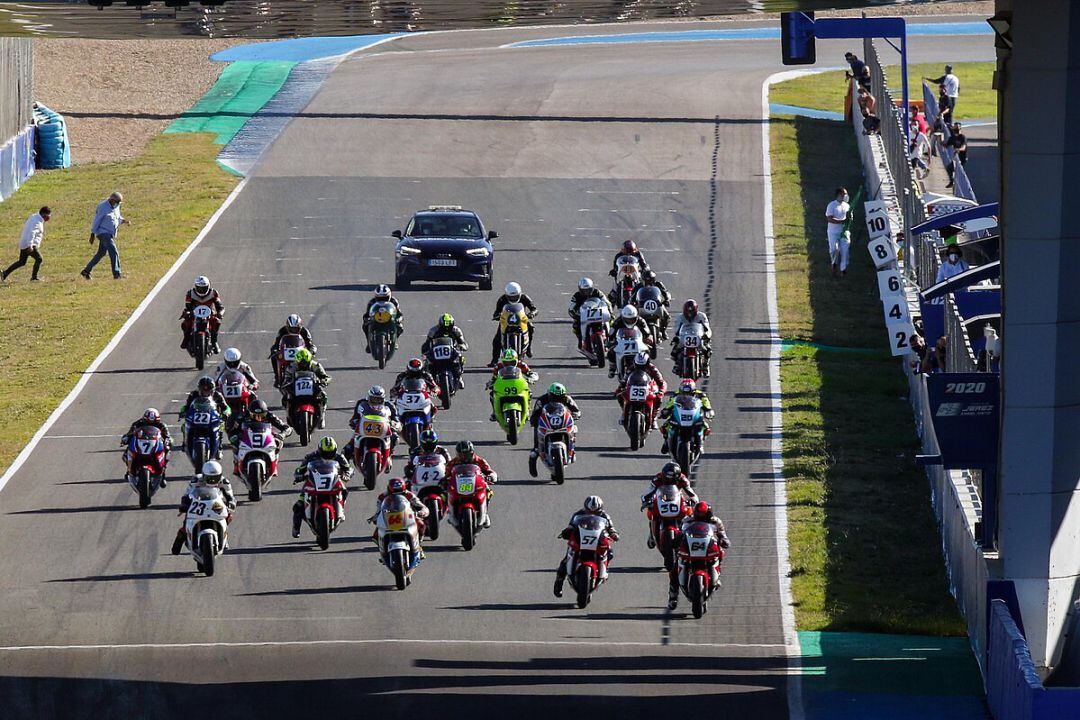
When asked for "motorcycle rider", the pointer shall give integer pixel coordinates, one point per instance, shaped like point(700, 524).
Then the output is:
point(446, 327)
point(150, 418)
point(556, 393)
point(294, 325)
point(509, 359)
point(467, 455)
point(690, 315)
point(414, 368)
point(670, 474)
point(628, 318)
point(211, 476)
point(202, 294)
point(233, 361)
point(594, 505)
point(429, 444)
point(648, 279)
point(586, 291)
point(206, 389)
point(643, 362)
point(306, 363)
point(398, 486)
point(628, 248)
point(512, 294)
point(375, 404)
point(383, 294)
point(258, 412)
point(327, 450)
point(687, 388)
point(702, 513)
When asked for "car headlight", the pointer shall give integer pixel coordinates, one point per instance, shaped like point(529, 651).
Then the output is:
point(478, 252)
point(406, 250)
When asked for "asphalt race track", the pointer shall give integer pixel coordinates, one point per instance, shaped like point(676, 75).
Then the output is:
point(566, 152)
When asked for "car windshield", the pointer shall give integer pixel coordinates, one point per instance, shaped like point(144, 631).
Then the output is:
point(444, 226)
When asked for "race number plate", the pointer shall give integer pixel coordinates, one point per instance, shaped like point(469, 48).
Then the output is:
point(202, 312)
point(638, 393)
point(232, 391)
point(466, 484)
point(303, 386)
point(442, 352)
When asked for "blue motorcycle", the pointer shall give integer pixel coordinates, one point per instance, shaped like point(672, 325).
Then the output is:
point(202, 432)
point(686, 431)
point(415, 410)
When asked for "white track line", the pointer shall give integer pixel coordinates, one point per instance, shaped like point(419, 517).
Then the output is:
point(107, 350)
point(783, 563)
point(398, 641)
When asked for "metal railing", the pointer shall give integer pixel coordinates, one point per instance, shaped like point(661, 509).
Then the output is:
point(958, 356)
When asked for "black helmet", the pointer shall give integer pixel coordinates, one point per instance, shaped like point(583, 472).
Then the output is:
point(206, 385)
point(465, 450)
point(671, 471)
point(630, 247)
point(429, 440)
point(258, 410)
point(648, 277)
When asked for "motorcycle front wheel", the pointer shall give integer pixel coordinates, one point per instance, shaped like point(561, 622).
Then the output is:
point(697, 595)
point(432, 518)
point(584, 585)
point(144, 487)
point(322, 528)
point(399, 563)
point(467, 525)
point(208, 550)
point(371, 470)
point(254, 481)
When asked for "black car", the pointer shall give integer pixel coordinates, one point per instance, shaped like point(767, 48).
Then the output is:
point(442, 243)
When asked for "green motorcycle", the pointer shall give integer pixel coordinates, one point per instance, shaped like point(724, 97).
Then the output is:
point(510, 401)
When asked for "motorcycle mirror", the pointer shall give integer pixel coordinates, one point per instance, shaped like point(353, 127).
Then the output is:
point(396, 234)
point(492, 234)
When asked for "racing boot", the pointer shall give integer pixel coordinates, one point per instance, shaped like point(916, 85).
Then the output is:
point(184, 342)
point(297, 517)
point(560, 578)
point(178, 543)
point(672, 597)
point(650, 541)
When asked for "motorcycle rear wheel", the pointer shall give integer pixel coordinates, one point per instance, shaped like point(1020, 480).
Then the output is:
point(584, 586)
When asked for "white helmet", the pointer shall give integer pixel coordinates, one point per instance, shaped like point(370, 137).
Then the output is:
point(232, 357)
point(201, 286)
point(293, 321)
point(513, 290)
point(585, 284)
point(211, 472)
point(383, 292)
point(629, 314)
point(594, 504)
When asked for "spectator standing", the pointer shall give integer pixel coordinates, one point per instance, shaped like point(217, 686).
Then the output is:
point(918, 118)
point(867, 102)
point(954, 265)
point(107, 222)
point(864, 77)
point(839, 239)
point(934, 360)
point(33, 233)
point(855, 63)
point(958, 142)
point(950, 92)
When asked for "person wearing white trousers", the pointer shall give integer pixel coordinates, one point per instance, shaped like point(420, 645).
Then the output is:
point(839, 239)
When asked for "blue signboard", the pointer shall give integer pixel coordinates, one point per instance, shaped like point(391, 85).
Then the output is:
point(965, 410)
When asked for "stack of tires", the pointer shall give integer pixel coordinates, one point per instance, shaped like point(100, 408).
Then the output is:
point(53, 148)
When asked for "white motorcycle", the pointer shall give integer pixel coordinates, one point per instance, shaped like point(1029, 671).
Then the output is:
point(399, 540)
point(691, 353)
point(256, 457)
point(207, 527)
point(629, 341)
point(594, 319)
point(429, 469)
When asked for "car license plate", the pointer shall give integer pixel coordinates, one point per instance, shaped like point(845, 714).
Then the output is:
point(443, 262)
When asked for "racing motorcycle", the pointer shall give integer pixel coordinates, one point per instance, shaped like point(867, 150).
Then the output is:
point(399, 539)
point(514, 328)
point(303, 404)
point(699, 552)
point(690, 357)
point(444, 363)
point(383, 331)
point(145, 459)
point(629, 341)
point(686, 431)
point(324, 499)
point(589, 547)
point(256, 457)
point(627, 276)
point(415, 409)
point(641, 400)
point(650, 304)
point(429, 470)
point(510, 401)
point(199, 342)
point(594, 319)
point(467, 492)
point(286, 356)
point(557, 434)
point(206, 526)
point(238, 394)
point(371, 446)
point(202, 432)
point(666, 512)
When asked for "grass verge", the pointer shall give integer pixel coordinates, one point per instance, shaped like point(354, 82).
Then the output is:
point(825, 91)
point(56, 327)
point(865, 552)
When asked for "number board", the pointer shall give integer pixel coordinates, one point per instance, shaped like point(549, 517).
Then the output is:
point(877, 219)
point(896, 310)
point(890, 284)
point(882, 252)
point(900, 332)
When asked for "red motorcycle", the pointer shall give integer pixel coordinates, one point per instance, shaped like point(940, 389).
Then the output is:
point(286, 354)
point(666, 512)
point(641, 400)
point(145, 458)
point(324, 500)
point(238, 394)
point(301, 401)
point(467, 493)
point(699, 554)
point(590, 548)
point(429, 470)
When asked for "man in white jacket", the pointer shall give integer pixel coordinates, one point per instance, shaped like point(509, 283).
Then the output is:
point(33, 233)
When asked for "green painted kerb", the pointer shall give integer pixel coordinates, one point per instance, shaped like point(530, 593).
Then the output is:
point(243, 88)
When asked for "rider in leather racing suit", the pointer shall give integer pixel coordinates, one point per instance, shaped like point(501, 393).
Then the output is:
point(628, 318)
point(512, 294)
point(382, 294)
point(628, 248)
point(686, 387)
point(689, 316)
point(429, 445)
point(211, 476)
point(305, 363)
point(294, 325)
point(556, 394)
point(648, 279)
point(509, 359)
point(467, 455)
point(702, 513)
point(643, 363)
point(594, 505)
point(233, 361)
point(670, 474)
point(375, 404)
point(586, 291)
point(257, 412)
point(328, 450)
point(398, 486)
point(415, 369)
point(202, 294)
point(150, 418)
